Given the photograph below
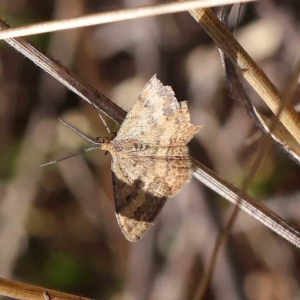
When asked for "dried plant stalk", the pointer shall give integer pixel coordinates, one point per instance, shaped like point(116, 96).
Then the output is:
point(248, 68)
point(62, 74)
point(256, 209)
point(24, 291)
point(113, 16)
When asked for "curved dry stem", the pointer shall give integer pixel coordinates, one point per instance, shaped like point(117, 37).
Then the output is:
point(63, 75)
point(113, 16)
point(248, 68)
point(246, 203)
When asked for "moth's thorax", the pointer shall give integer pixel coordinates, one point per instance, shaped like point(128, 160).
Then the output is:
point(106, 146)
point(105, 143)
point(117, 146)
point(128, 146)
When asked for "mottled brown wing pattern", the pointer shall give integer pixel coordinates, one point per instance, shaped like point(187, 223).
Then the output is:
point(161, 176)
point(136, 209)
point(141, 188)
point(176, 130)
point(153, 106)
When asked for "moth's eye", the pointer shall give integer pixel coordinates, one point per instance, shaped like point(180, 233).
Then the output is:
point(102, 140)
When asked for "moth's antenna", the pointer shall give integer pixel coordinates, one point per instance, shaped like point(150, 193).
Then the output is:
point(69, 156)
point(85, 137)
point(95, 143)
point(102, 119)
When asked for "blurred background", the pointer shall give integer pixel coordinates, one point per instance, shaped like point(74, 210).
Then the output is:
point(57, 224)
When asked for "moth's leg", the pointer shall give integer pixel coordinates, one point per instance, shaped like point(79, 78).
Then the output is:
point(114, 133)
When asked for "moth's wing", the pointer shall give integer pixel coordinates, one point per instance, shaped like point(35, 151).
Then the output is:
point(136, 209)
point(141, 187)
point(174, 131)
point(161, 176)
point(153, 106)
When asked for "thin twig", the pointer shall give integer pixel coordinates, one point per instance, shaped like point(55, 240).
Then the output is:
point(24, 291)
point(68, 79)
point(279, 135)
point(248, 68)
point(253, 208)
point(113, 16)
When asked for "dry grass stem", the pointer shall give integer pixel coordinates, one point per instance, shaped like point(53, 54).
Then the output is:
point(114, 16)
point(248, 68)
point(246, 203)
point(23, 291)
point(62, 74)
point(279, 134)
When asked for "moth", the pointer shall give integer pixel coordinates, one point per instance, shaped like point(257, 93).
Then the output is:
point(150, 157)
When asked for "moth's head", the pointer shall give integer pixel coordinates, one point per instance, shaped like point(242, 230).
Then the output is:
point(104, 143)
